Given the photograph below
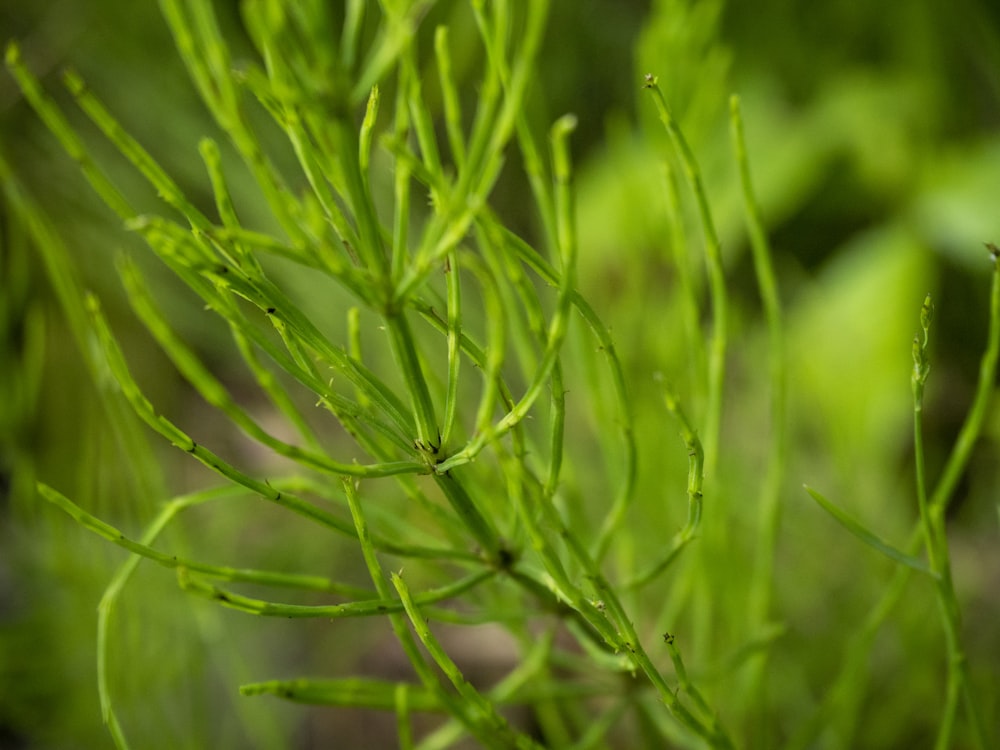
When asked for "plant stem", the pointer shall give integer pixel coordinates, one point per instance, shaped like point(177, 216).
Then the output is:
point(716, 273)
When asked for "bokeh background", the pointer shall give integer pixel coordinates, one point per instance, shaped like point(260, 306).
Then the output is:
point(874, 138)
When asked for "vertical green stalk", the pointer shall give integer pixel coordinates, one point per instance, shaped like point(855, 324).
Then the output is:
point(496, 311)
point(716, 273)
point(973, 425)
point(696, 464)
point(557, 435)
point(454, 345)
point(353, 17)
point(449, 94)
point(423, 121)
point(695, 483)
point(366, 134)
point(557, 328)
point(403, 729)
point(769, 508)
point(428, 437)
point(346, 144)
point(936, 541)
point(224, 202)
point(921, 368)
point(695, 341)
point(401, 187)
point(852, 674)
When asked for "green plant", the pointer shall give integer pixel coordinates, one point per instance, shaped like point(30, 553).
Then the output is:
point(477, 429)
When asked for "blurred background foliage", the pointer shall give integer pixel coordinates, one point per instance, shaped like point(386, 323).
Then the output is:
point(874, 138)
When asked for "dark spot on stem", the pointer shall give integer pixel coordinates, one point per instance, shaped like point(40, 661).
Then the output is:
point(505, 559)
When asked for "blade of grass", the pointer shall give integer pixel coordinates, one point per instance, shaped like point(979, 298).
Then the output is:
point(859, 530)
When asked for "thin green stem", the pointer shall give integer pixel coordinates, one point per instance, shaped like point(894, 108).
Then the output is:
point(454, 346)
point(165, 186)
point(58, 125)
point(557, 328)
point(716, 274)
point(694, 339)
point(769, 517)
point(973, 425)
point(109, 600)
point(427, 435)
point(225, 573)
point(430, 680)
point(626, 485)
point(853, 673)
point(936, 542)
point(695, 482)
point(365, 608)
point(491, 720)
point(449, 94)
point(921, 368)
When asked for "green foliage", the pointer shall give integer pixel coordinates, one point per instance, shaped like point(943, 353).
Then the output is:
point(408, 417)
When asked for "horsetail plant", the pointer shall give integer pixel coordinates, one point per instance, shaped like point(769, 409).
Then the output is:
point(388, 272)
point(432, 440)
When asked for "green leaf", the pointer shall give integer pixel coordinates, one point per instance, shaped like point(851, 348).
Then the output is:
point(866, 536)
